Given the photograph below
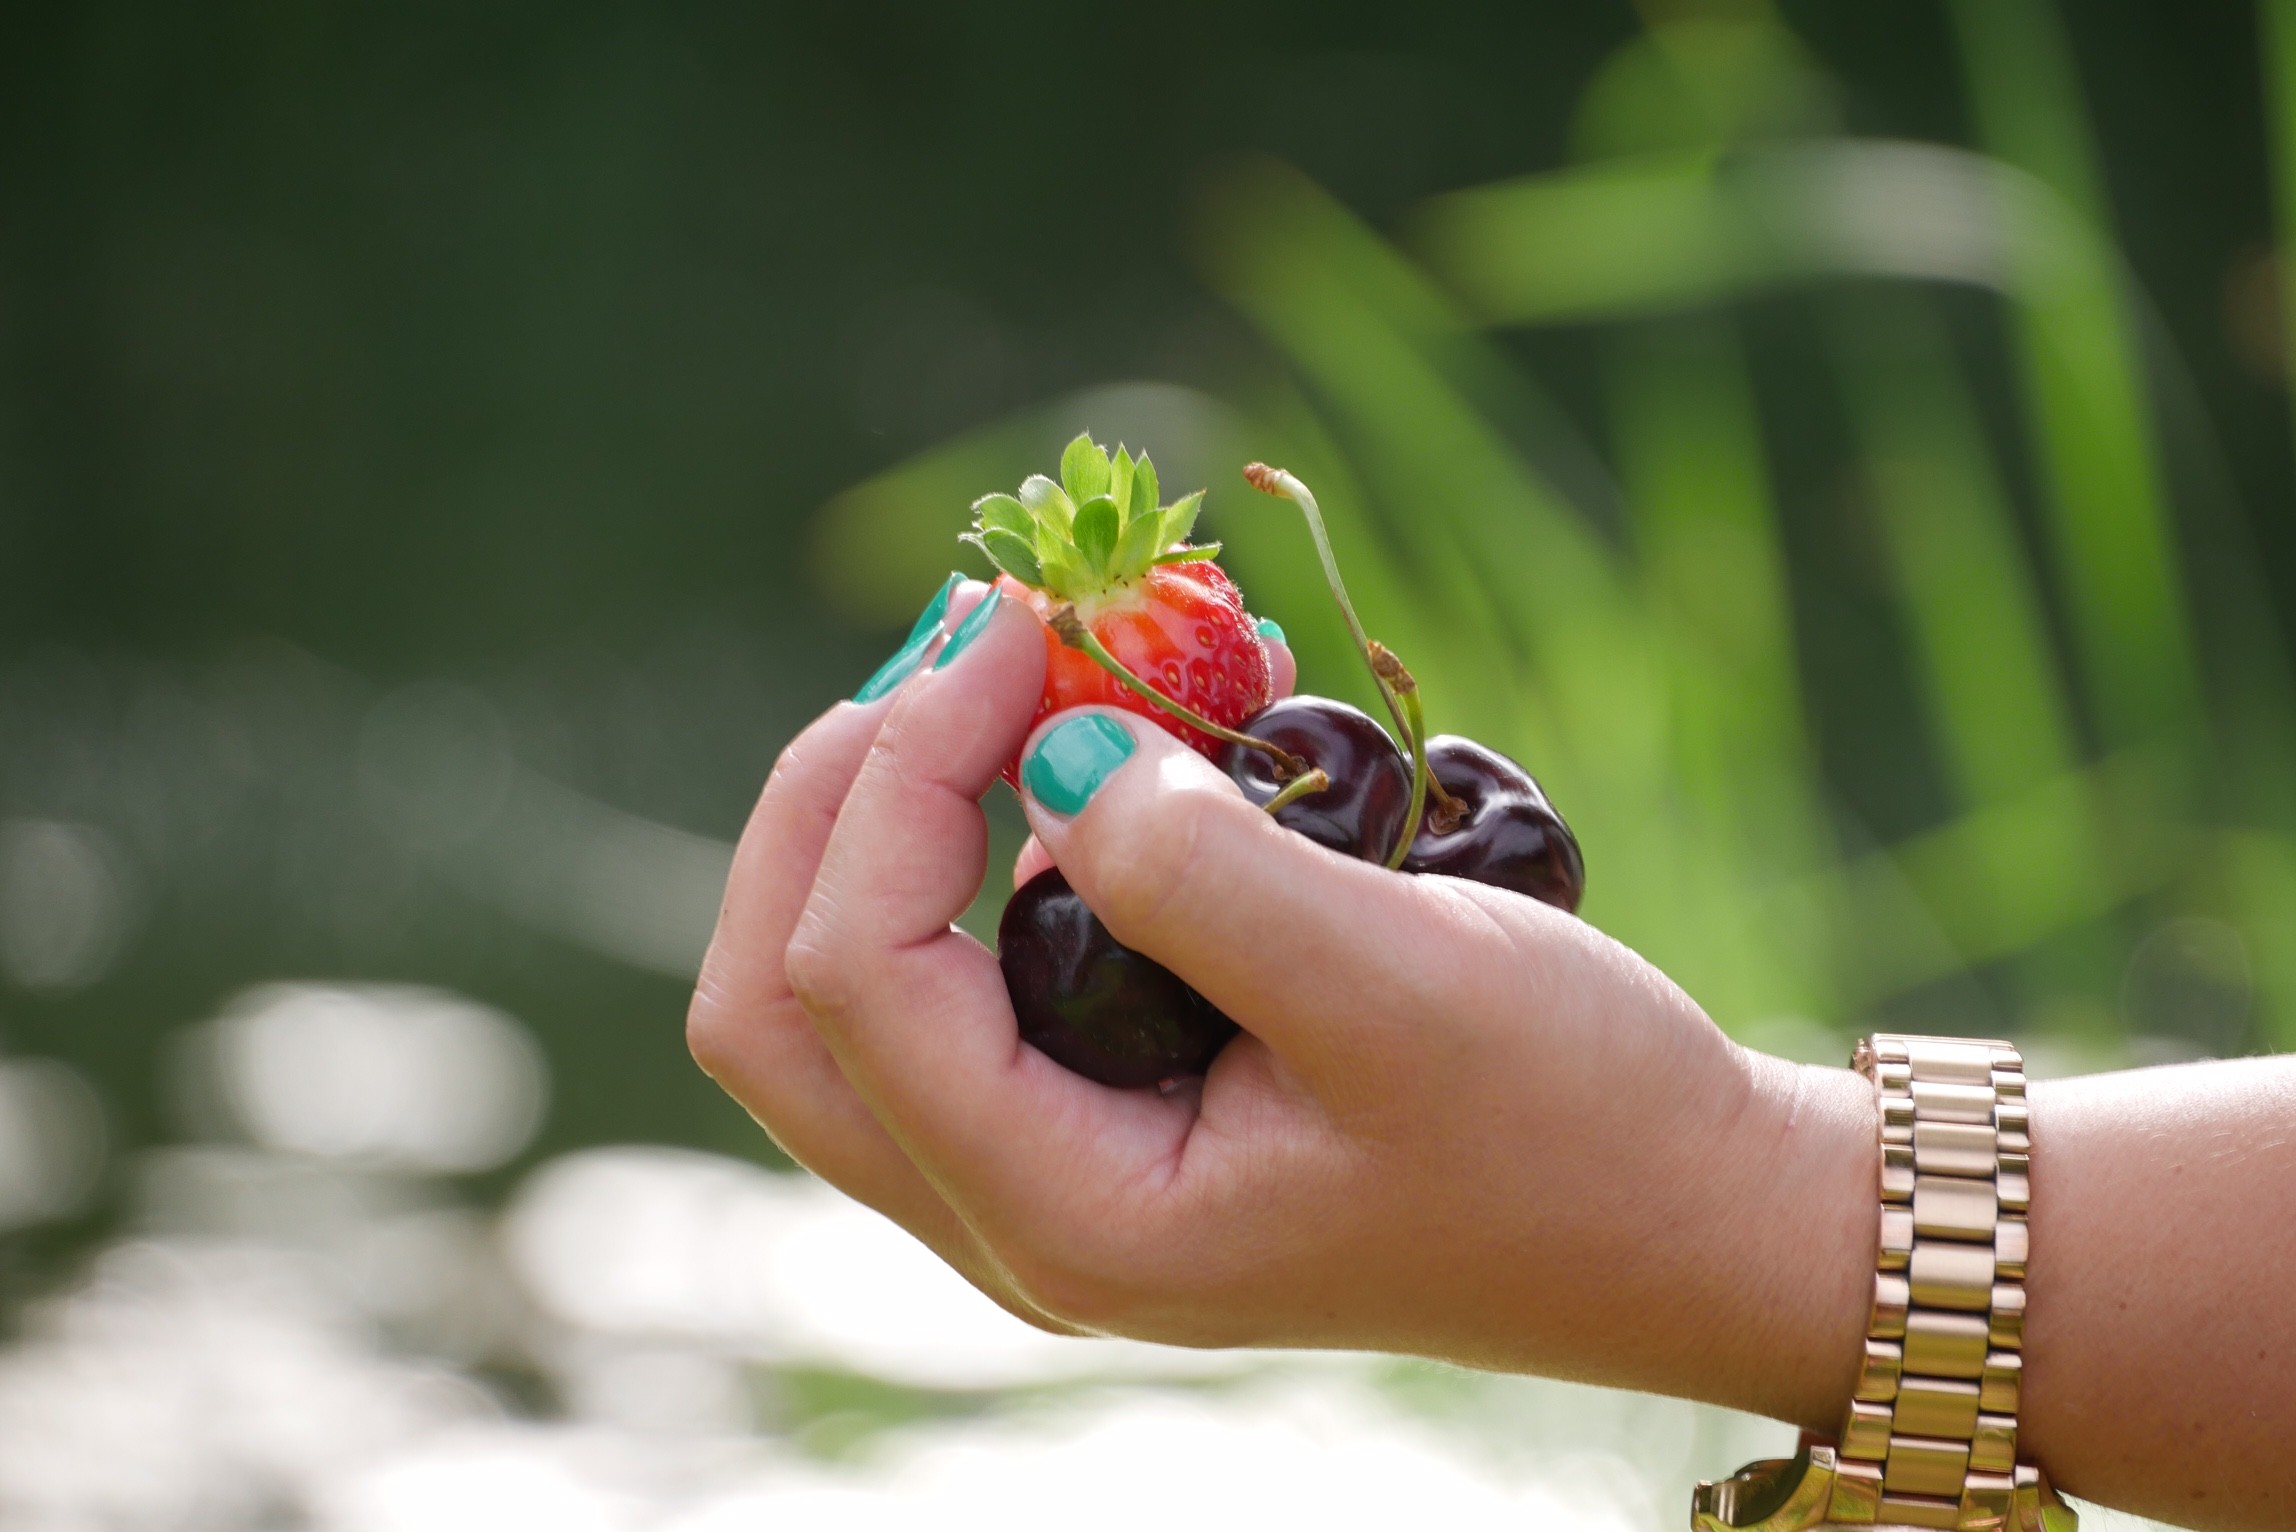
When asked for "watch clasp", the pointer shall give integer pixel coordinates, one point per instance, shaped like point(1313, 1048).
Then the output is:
point(1798, 1494)
point(1774, 1495)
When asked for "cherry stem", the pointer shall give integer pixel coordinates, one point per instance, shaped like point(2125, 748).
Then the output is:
point(1399, 681)
point(1073, 632)
point(1313, 781)
point(1396, 686)
point(1286, 484)
point(1448, 810)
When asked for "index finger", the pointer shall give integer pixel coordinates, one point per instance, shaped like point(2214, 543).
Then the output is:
point(914, 1009)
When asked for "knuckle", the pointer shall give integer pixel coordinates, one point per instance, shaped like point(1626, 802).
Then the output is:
point(785, 782)
point(898, 752)
point(817, 971)
point(711, 1026)
point(786, 763)
point(706, 1037)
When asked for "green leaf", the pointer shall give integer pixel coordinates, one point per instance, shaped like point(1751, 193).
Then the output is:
point(1142, 500)
point(1065, 574)
point(1084, 469)
point(1005, 512)
point(1097, 525)
point(1180, 518)
point(1010, 552)
point(1137, 549)
point(1120, 479)
point(1047, 500)
point(1190, 555)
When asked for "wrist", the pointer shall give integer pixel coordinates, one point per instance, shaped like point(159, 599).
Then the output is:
point(1798, 1186)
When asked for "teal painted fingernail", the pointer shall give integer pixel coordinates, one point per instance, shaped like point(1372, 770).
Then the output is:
point(935, 609)
point(1072, 759)
point(897, 669)
point(1270, 629)
point(975, 621)
point(911, 654)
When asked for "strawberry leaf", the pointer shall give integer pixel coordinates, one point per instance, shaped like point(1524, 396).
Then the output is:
point(1143, 539)
point(1005, 512)
point(1180, 517)
point(1065, 574)
point(1053, 508)
point(1084, 469)
point(1095, 532)
point(1010, 552)
point(1142, 500)
point(1096, 529)
point(1120, 480)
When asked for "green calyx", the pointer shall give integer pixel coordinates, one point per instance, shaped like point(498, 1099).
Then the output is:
point(1098, 528)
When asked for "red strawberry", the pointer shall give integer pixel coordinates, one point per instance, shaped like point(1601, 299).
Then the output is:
point(1100, 541)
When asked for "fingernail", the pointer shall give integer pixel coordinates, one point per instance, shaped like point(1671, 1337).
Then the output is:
point(1270, 629)
point(897, 669)
point(935, 609)
point(971, 628)
point(1072, 759)
point(911, 654)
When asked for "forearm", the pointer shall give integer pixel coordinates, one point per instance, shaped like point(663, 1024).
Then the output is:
point(2162, 1291)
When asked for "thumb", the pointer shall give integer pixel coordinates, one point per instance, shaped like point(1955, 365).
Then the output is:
point(1317, 953)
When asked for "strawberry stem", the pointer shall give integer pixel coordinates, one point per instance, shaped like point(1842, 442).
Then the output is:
point(1314, 781)
point(1072, 631)
point(1284, 483)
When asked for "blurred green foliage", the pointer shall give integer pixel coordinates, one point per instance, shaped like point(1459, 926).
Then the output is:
point(1614, 601)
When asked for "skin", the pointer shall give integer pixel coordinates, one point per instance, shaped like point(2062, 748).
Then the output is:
point(1459, 1124)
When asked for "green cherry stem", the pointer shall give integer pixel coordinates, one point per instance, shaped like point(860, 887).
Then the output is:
point(1072, 631)
point(1400, 684)
point(1282, 482)
point(1314, 781)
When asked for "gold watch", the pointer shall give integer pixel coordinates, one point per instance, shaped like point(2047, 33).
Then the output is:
point(1931, 1439)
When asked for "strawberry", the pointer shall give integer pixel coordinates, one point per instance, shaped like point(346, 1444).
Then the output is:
point(1100, 542)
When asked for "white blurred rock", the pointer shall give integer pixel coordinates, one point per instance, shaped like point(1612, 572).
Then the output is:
point(668, 1243)
point(51, 1141)
point(392, 1075)
point(65, 897)
point(1328, 1455)
point(186, 1388)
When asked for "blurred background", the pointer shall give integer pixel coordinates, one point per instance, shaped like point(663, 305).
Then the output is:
point(446, 450)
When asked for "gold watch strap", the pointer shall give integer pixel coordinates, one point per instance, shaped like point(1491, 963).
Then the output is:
point(1931, 1439)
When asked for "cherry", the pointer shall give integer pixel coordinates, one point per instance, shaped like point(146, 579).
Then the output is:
point(1363, 810)
point(1093, 1004)
point(1511, 837)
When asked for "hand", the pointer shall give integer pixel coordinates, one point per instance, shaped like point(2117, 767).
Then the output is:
point(1459, 1123)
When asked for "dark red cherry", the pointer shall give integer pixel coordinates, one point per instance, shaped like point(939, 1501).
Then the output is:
point(1510, 837)
point(1093, 1004)
point(1363, 810)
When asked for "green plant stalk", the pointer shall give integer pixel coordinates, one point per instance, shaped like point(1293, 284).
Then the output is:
point(1286, 484)
point(1398, 681)
point(1419, 784)
point(1076, 635)
point(1312, 781)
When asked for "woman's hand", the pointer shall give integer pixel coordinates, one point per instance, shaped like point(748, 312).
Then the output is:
point(1458, 1123)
